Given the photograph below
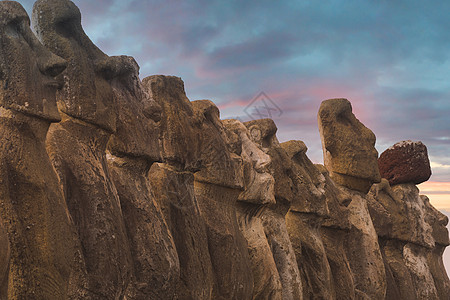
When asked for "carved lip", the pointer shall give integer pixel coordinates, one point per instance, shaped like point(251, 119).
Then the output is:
point(56, 84)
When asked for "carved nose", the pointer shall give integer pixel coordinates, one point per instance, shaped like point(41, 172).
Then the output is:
point(53, 66)
point(262, 164)
point(443, 219)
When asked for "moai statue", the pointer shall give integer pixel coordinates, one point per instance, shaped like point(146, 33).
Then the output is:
point(132, 149)
point(32, 207)
point(257, 194)
point(304, 220)
point(263, 133)
point(218, 185)
point(438, 222)
point(77, 147)
point(333, 231)
point(172, 184)
point(349, 152)
point(351, 159)
point(412, 232)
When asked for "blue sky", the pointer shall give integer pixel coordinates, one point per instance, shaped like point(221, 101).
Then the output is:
point(391, 59)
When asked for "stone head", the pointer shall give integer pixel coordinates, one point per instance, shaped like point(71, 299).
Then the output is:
point(309, 181)
point(348, 146)
point(258, 182)
point(137, 132)
point(27, 68)
point(438, 222)
point(180, 131)
point(263, 134)
point(219, 164)
point(87, 94)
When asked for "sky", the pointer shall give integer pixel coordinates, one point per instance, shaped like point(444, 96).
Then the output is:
point(280, 59)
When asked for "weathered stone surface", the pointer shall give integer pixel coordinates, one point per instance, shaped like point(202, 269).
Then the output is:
point(409, 229)
point(258, 192)
point(86, 94)
point(132, 150)
point(415, 258)
point(304, 219)
point(77, 150)
point(348, 146)
point(309, 182)
point(405, 162)
point(32, 208)
point(174, 191)
point(173, 185)
point(263, 133)
point(304, 233)
point(415, 211)
point(180, 130)
point(267, 284)
point(217, 187)
point(333, 233)
point(361, 247)
point(389, 213)
point(5, 256)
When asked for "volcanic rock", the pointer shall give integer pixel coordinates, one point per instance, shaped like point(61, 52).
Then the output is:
point(258, 192)
point(405, 162)
point(132, 150)
point(308, 209)
point(4, 261)
point(263, 133)
point(77, 150)
point(32, 207)
point(348, 146)
point(173, 185)
point(218, 185)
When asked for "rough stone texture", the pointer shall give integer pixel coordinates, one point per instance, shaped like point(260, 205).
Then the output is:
point(263, 133)
point(174, 191)
point(217, 187)
point(157, 198)
point(361, 247)
point(77, 150)
point(86, 94)
point(410, 232)
point(348, 146)
point(307, 211)
point(405, 162)
point(5, 256)
point(133, 148)
point(333, 232)
point(304, 233)
point(32, 208)
point(173, 185)
point(180, 130)
point(258, 192)
point(309, 182)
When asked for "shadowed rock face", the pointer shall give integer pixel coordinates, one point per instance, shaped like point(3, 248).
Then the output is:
point(77, 149)
point(27, 69)
point(4, 261)
point(218, 185)
point(180, 131)
point(258, 192)
point(304, 219)
point(348, 146)
point(173, 185)
point(263, 133)
point(32, 208)
point(134, 147)
point(86, 95)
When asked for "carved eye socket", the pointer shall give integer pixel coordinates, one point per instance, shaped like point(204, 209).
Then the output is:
point(66, 28)
point(14, 28)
